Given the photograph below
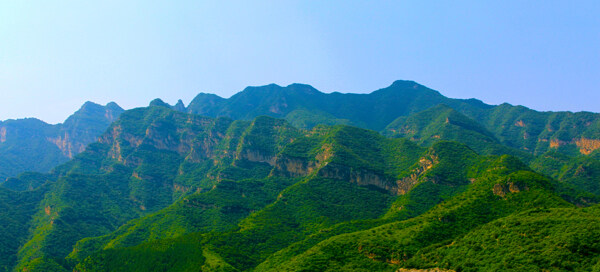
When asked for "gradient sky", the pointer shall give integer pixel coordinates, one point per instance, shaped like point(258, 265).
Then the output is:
point(55, 55)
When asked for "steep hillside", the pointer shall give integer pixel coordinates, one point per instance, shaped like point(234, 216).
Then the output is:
point(131, 171)
point(318, 163)
point(514, 126)
point(501, 189)
point(304, 106)
point(444, 123)
point(309, 228)
point(576, 177)
point(32, 145)
point(560, 239)
point(538, 132)
point(165, 189)
point(148, 159)
point(16, 210)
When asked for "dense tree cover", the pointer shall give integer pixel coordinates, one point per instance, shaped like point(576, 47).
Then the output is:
point(443, 122)
point(581, 172)
point(33, 145)
point(552, 239)
point(398, 244)
point(16, 210)
point(380, 243)
point(516, 127)
point(220, 209)
point(25, 147)
point(304, 106)
point(167, 190)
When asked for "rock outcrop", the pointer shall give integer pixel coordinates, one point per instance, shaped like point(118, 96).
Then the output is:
point(511, 187)
point(360, 177)
point(293, 167)
point(587, 146)
point(408, 182)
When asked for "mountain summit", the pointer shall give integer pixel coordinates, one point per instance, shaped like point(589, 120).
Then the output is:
point(33, 145)
point(303, 106)
point(442, 184)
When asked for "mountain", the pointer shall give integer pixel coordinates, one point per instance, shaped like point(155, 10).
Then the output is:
point(166, 189)
point(442, 122)
point(32, 145)
point(577, 177)
point(505, 188)
point(306, 228)
point(539, 239)
point(16, 210)
point(435, 185)
point(145, 161)
point(303, 106)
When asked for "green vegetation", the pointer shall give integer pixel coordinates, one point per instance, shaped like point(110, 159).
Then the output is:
point(398, 244)
point(16, 210)
point(32, 145)
point(413, 110)
point(26, 149)
point(576, 179)
point(444, 123)
point(220, 209)
point(294, 234)
point(305, 107)
point(458, 186)
point(553, 239)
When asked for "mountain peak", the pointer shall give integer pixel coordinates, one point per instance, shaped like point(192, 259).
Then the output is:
point(179, 106)
point(407, 84)
point(113, 106)
point(89, 104)
point(90, 107)
point(302, 88)
point(159, 102)
point(252, 89)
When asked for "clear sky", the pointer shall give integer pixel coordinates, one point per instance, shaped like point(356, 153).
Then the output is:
point(55, 55)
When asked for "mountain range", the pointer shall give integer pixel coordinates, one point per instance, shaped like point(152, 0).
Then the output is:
point(35, 146)
point(292, 179)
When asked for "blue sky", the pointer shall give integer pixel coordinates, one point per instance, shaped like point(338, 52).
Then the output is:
point(55, 55)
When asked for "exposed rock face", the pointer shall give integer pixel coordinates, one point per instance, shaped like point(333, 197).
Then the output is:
point(297, 167)
point(263, 139)
point(84, 127)
point(289, 166)
point(407, 183)
point(2, 134)
point(293, 167)
point(587, 146)
point(117, 138)
point(33, 145)
point(196, 141)
point(179, 106)
point(359, 176)
point(520, 123)
point(255, 155)
point(554, 143)
point(369, 178)
point(181, 188)
point(511, 187)
point(279, 108)
point(69, 147)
